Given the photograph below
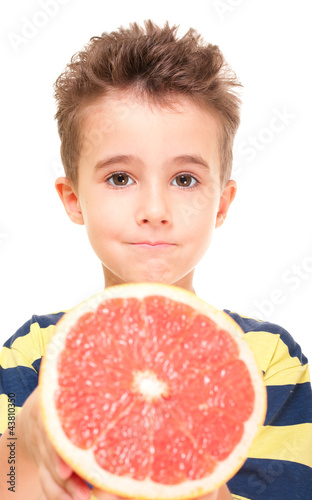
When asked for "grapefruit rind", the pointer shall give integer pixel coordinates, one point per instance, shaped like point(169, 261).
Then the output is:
point(83, 462)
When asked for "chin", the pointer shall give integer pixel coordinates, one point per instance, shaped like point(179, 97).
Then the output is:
point(155, 276)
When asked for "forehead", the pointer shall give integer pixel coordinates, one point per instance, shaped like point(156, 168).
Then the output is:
point(124, 123)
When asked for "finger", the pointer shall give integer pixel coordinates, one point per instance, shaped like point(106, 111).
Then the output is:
point(78, 488)
point(70, 480)
point(62, 474)
point(51, 461)
point(221, 494)
point(50, 488)
point(105, 495)
point(64, 471)
point(74, 486)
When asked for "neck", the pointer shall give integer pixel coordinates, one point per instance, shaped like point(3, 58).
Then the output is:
point(110, 279)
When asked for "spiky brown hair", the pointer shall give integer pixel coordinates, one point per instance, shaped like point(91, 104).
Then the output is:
point(156, 64)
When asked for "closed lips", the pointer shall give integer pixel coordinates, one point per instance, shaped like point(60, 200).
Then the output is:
point(153, 244)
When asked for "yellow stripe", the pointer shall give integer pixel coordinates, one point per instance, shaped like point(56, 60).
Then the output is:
point(273, 358)
point(10, 358)
point(4, 422)
point(263, 346)
point(32, 345)
point(287, 442)
point(293, 375)
point(237, 497)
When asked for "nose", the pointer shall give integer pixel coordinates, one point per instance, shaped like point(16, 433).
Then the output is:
point(153, 207)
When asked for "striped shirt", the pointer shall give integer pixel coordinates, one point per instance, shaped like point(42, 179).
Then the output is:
point(279, 464)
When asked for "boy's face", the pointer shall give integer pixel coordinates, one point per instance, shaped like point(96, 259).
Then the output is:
point(148, 189)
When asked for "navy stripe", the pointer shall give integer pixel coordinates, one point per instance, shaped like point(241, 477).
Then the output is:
point(287, 404)
point(262, 479)
point(36, 364)
point(252, 325)
point(43, 321)
point(21, 381)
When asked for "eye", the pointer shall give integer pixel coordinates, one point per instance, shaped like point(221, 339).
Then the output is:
point(119, 179)
point(184, 180)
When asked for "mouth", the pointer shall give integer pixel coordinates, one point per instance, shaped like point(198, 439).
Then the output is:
point(153, 244)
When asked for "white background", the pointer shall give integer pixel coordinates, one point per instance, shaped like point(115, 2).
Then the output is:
point(260, 262)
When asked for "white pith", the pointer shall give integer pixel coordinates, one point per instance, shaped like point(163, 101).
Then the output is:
point(148, 384)
point(83, 460)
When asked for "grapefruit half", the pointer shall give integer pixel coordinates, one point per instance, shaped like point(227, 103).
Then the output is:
point(148, 392)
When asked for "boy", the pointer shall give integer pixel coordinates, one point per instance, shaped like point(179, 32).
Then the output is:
point(147, 123)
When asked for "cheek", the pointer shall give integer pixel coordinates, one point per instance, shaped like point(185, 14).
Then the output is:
point(104, 221)
point(198, 214)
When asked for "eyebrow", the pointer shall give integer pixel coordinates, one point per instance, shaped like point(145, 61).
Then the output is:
point(180, 160)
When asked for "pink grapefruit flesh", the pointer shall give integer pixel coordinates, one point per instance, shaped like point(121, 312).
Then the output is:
point(155, 394)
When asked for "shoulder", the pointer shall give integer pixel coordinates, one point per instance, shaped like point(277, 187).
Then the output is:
point(274, 347)
point(27, 346)
point(37, 322)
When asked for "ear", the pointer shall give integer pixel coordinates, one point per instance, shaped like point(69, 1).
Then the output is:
point(226, 198)
point(69, 199)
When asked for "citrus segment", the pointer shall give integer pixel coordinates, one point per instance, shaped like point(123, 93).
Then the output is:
point(157, 388)
point(177, 455)
point(126, 448)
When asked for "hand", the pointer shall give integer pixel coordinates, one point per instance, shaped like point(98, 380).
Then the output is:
point(220, 494)
point(57, 480)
